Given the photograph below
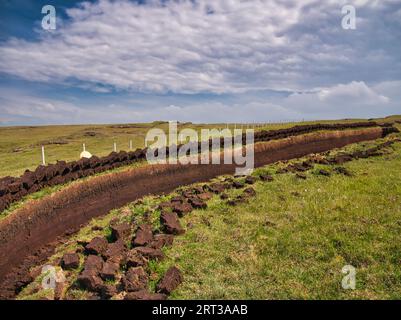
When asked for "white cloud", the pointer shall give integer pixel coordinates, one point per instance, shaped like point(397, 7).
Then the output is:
point(354, 92)
point(355, 99)
point(236, 49)
point(211, 46)
point(390, 88)
point(16, 105)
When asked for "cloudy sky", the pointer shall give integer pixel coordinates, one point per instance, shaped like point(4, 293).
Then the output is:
point(198, 60)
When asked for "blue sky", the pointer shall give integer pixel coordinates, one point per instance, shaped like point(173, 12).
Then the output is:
point(201, 61)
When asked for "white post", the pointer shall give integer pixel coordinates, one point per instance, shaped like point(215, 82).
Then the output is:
point(43, 156)
point(130, 144)
point(83, 147)
point(114, 147)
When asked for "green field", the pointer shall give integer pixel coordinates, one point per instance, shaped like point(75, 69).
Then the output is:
point(294, 238)
point(289, 242)
point(20, 147)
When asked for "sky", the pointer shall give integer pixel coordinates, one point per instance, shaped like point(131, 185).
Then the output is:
point(118, 61)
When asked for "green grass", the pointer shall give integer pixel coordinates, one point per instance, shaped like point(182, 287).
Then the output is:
point(49, 190)
point(289, 242)
point(293, 239)
point(20, 147)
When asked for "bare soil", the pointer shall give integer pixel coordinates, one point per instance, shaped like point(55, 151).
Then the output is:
point(30, 234)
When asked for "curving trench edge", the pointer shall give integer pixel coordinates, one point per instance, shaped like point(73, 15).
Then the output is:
point(30, 234)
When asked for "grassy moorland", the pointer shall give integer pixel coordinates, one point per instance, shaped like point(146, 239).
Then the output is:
point(20, 147)
point(289, 242)
point(293, 239)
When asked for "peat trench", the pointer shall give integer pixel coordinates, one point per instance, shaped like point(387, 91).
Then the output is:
point(29, 235)
point(113, 270)
point(14, 189)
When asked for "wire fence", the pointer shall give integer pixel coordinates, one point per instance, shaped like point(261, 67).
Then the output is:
point(221, 128)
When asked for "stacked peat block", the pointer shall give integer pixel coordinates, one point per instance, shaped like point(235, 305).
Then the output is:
point(14, 189)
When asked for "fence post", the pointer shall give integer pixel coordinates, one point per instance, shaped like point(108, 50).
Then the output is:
point(114, 147)
point(43, 156)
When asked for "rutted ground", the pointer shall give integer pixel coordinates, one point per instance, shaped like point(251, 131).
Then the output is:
point(243, 239)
